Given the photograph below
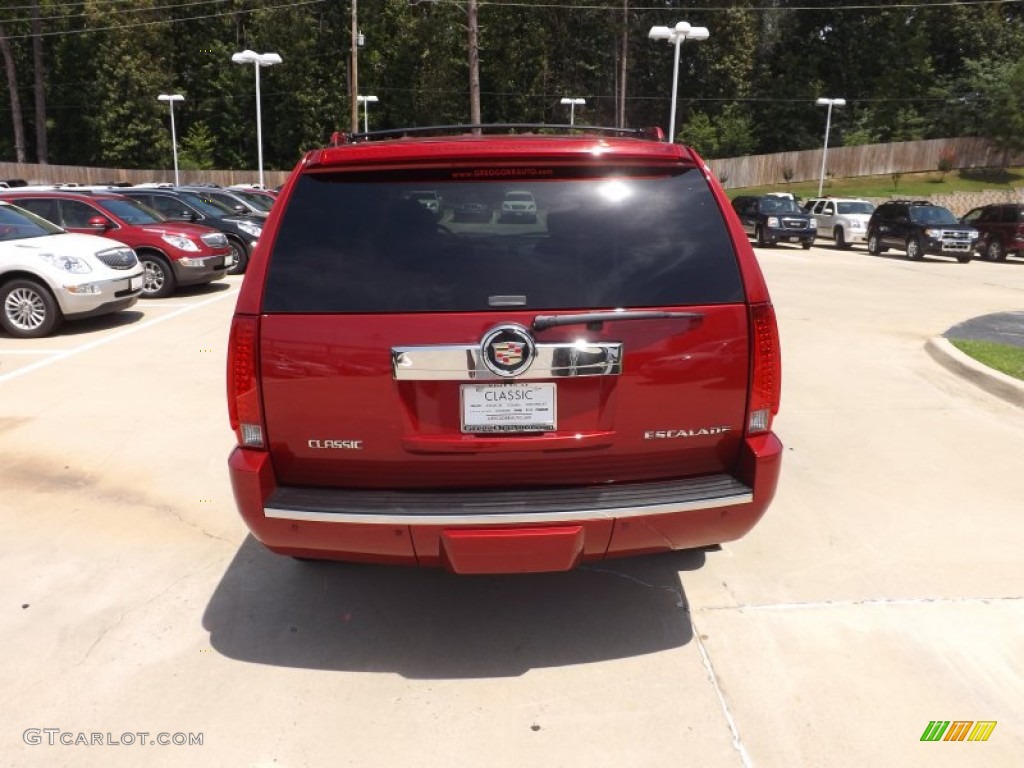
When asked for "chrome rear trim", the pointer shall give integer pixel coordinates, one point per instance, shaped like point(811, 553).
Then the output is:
point(466, 362)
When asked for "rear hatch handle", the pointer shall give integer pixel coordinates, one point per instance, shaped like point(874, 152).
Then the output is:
point(593, 320)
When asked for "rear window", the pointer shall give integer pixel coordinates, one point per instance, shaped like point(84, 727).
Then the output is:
point(357, 243)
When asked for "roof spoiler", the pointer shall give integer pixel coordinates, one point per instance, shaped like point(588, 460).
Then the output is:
point(338, 138)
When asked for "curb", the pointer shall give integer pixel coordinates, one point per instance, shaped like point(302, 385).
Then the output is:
point(994, 382)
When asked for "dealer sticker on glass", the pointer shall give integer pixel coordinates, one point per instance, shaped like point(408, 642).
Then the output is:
point(508, 407)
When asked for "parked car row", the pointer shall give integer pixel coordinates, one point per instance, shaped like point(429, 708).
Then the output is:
point(169, 236)
point(916, 227)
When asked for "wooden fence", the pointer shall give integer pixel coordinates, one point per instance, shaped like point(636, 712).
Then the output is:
point(62, 174)
point(735, 172)
point(865, 160)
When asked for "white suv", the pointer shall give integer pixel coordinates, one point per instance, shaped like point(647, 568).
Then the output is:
point(843, 219)
point(48, 275)
point(519, 204)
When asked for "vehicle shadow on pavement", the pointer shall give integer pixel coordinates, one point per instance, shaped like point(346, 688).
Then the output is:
point(430, 624)
point(110, 322)
point(201, 289)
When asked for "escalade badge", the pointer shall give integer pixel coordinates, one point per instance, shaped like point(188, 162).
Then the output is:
point(507, 350)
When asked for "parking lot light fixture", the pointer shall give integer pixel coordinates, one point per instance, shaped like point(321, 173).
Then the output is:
point(366, 101)
point(572, 104)
point(675, 36)
point(257, 60)
point(823, 102)
point(170, 98)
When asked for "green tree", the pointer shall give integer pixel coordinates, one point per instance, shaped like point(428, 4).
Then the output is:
point(1004, 112)
point(197, 148)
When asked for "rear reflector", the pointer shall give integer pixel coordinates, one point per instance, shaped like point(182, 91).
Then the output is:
point(766, 369)
point(244, 407)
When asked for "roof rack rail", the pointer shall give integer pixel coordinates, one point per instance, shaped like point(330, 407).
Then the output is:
point(654, 134)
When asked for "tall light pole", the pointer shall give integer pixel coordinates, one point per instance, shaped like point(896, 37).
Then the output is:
point(675, 36)
point(170, 98)
point(258, 60)
point(358, 40)
point(366, 101)
point(572, 104)
point(823, 102)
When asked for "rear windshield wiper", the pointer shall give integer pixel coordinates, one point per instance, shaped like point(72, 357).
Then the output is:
point(593, 320)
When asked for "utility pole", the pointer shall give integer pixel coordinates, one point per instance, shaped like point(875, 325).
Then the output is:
point(620, 107)
point(474, 64)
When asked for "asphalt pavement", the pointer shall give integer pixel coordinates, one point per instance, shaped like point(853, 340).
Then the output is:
point(999, 327)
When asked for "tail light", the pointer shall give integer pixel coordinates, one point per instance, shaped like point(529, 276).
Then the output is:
point(766, 369)
point(245, 408)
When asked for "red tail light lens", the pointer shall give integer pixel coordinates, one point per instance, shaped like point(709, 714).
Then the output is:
point(244, 402)
point(766, 369)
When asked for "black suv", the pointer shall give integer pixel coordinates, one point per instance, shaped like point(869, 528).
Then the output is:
point(242, 230)
point(1000, 227)
point(775, 219)
point(919, 227)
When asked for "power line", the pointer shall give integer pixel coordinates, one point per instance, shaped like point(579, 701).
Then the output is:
point(81, 12)
point(167, 21)
point(734, 9)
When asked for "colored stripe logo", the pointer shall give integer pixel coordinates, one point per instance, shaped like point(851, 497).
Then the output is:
point(958, 730)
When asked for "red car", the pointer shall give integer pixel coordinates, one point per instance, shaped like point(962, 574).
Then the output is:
point(495, 397)
point(172, 253)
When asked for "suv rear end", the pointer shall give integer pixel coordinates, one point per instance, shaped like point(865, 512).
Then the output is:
point(489, 398)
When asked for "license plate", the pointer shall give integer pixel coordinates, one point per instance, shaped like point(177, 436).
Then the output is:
point(508, 407)
point(134, 283)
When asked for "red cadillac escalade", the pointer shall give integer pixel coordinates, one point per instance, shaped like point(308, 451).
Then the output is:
point(494, 396)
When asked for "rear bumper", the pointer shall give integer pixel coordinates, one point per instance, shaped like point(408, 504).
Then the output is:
point(505, 531)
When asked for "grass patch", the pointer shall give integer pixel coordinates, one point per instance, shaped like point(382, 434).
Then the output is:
point(908, 185)
point(1001, 357)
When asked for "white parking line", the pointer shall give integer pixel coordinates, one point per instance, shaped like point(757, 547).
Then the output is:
point(64, 355)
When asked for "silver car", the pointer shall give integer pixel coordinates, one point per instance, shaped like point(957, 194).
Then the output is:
point(48, 275)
